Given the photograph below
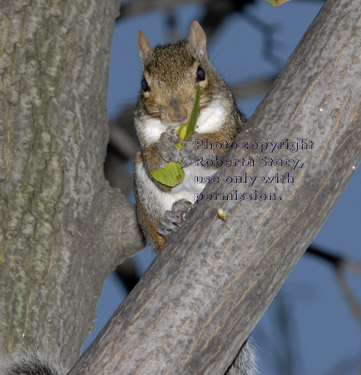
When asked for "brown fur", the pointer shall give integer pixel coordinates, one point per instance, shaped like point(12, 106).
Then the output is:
point(150, 230)
point(147, 223)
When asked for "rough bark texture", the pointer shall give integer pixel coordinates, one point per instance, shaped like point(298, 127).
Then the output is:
point(203, 295)
point(62, 228)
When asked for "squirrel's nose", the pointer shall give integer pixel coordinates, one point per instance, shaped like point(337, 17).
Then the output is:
point(176, 113)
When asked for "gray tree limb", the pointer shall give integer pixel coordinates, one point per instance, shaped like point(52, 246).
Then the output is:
point(202, 296)
point(63, 230)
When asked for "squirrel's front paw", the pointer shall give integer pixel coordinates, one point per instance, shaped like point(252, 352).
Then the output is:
point(173, 219)
point(167, 146)
point(190, 151)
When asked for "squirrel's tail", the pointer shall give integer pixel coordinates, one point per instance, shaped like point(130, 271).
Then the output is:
point(32, 365)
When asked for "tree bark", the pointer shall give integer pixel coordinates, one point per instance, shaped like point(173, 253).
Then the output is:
point(63, 229)
point(200, 299)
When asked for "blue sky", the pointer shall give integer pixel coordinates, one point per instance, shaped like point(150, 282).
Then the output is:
point(323, 331)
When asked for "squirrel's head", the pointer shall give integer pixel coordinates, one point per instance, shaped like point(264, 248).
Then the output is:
point(171, 74)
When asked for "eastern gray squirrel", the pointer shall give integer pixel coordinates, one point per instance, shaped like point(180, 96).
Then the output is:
point(171, 74)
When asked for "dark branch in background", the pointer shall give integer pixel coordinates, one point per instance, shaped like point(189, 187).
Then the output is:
point(255, 87)
point(138, 7)
point(134, 8)
point(127, 274)
point(335, 260)
point(172, 26)
point(123, 141)
point(268, 43)
point(340, 266)
point(216, 12)
point(123, 144)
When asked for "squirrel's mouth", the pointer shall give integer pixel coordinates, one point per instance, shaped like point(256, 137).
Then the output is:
point(176, 113)
point(171, 123)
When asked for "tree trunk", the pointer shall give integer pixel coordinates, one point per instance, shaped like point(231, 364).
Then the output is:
point(204, 293)
point(63, 229)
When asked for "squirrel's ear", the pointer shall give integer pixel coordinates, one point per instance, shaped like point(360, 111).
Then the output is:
point(144, 48)
point(197, 39)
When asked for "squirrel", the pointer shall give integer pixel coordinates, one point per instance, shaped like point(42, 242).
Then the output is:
point(171, 74)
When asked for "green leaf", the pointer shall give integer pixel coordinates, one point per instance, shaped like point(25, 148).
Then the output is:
point(171, 175)
point(186, 130)
point(277, 3)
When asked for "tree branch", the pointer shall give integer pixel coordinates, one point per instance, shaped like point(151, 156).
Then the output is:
point(63, 230)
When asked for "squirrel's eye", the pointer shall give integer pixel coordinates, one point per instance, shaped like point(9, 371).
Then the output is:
point(144, 85)
point(201, 75)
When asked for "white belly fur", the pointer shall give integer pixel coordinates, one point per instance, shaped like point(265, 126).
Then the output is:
point(156, 201)
point(210, 119)
point(188, 187)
